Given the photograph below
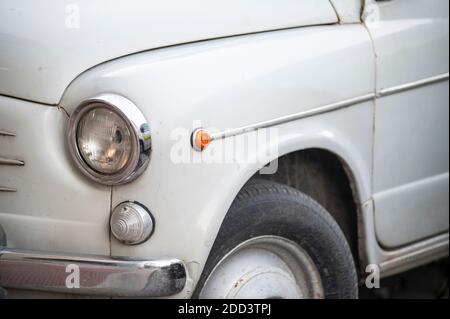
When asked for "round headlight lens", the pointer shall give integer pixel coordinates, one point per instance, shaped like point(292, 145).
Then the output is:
point(104, 141)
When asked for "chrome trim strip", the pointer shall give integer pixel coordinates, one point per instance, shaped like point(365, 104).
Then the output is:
point(12, 162)
point(329, 107)
point(413, 85)
point(293, 117)
point(99, 276)
point(415, 255)
point(7, 189)
point(5, 133)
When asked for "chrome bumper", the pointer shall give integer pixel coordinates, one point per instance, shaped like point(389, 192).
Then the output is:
point(98, 276)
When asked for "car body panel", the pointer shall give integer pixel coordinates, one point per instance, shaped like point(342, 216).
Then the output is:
point(45, 45)
point(52, 208)
point(180, 87)
point(246, 73)
point(411, 41)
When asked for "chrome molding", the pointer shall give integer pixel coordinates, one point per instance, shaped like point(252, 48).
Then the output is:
point(5, 133)
point(7, 189)
point(138, 126)
point(99, 275)
point(293, 117)
point(415, 255)
point(12, 162)
point(330, 107)
point(413, 85)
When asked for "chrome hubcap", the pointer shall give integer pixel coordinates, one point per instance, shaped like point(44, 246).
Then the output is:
point(263, 268)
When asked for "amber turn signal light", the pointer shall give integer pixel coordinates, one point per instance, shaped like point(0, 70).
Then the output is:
point(200, 139)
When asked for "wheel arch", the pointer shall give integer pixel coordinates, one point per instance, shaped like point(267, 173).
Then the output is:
point(329, 180)
point(333, 164)
point(343, 158)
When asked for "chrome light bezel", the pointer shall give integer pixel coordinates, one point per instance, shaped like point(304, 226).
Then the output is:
point(136, 123)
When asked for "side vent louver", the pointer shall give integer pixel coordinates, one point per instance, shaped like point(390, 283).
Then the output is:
point(9, 162)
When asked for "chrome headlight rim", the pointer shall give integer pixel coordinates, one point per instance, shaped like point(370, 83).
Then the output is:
point(136, 124)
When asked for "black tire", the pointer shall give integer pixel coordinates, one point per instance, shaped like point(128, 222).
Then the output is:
point(267, 208)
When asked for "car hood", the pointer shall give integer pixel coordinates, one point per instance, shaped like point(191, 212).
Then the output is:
point(44, 45)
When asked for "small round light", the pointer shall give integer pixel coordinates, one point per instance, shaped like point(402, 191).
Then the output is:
point(200, 139)
point(104, 141)
point(131, 223)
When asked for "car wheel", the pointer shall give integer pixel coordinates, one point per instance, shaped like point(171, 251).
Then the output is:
point(276, 242)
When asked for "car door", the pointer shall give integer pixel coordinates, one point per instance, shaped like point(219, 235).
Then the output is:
point(411, 156)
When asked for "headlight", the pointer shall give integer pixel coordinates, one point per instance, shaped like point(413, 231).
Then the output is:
point(104, 140)
point(109, 139)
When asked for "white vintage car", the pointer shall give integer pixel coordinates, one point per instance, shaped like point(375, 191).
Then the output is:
point(221, 149)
